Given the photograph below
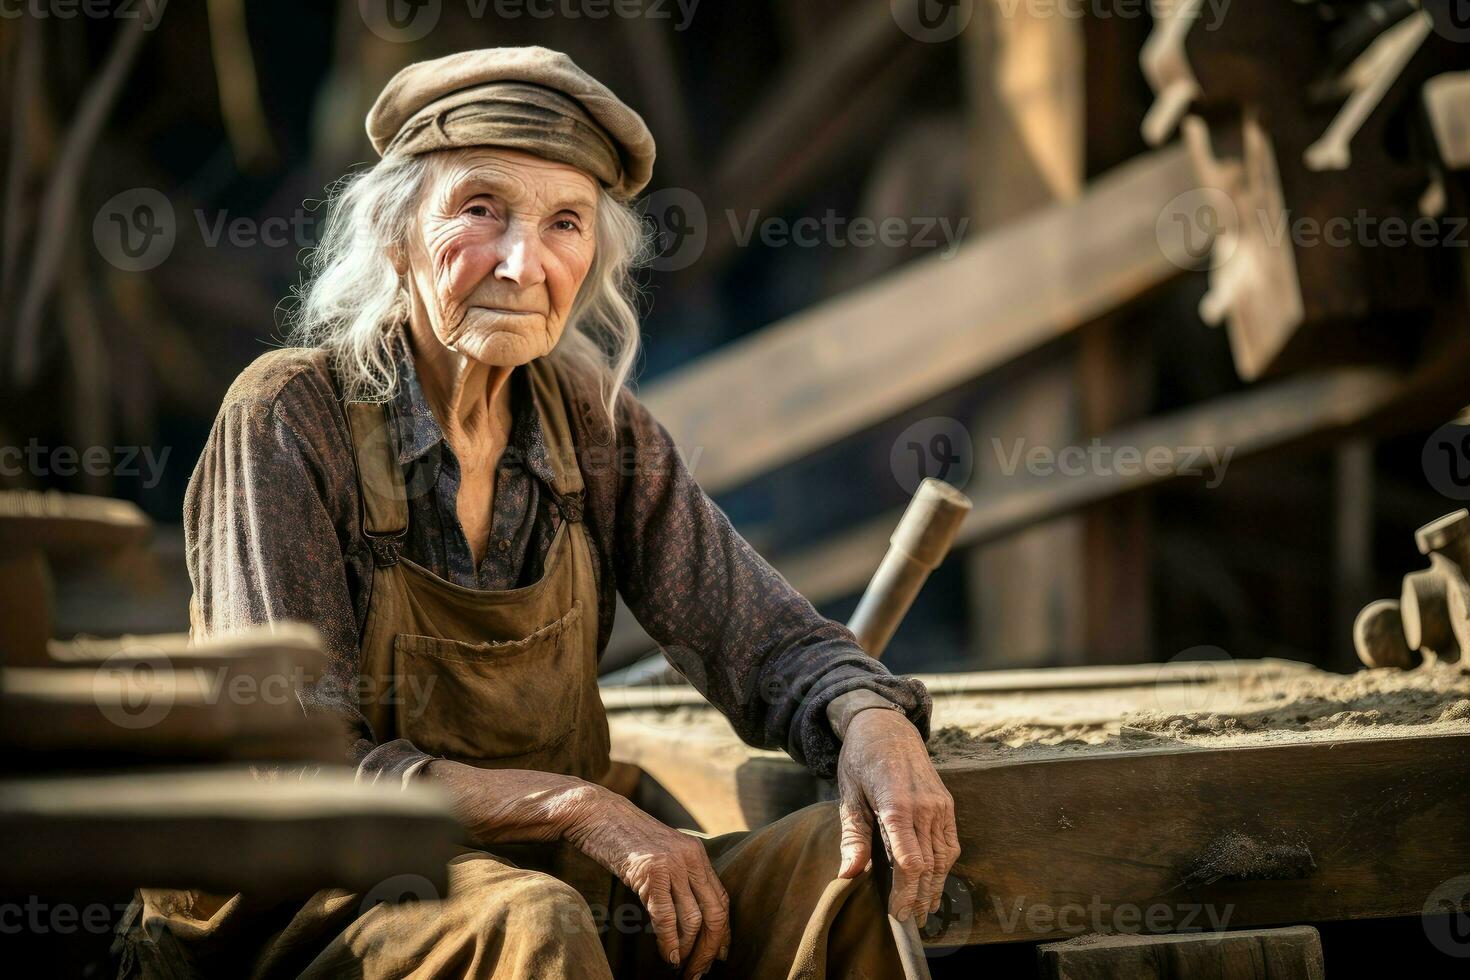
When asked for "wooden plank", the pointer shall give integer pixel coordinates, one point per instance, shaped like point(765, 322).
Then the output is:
point(25, 608)
point(690, 750)
point(1292, 953)
point(282, 647)
point(1254, 421)
point(76, 717)
point(1257, 420)
point(68, 524)
point(1115, 382)
point(1087, 678)
point(1243, 836)
point(220, 830)
point(814, 106)
point(1028, 591)
point(830, 371)
point(161, 698)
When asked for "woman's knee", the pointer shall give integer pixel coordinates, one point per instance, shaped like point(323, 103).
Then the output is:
point(546, 908)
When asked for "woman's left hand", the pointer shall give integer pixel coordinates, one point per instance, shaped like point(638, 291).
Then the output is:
point(884, 770)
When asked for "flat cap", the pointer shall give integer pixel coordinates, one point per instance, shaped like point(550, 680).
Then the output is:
point(530, 98)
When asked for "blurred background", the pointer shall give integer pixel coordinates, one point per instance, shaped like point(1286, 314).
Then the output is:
point(894, 240)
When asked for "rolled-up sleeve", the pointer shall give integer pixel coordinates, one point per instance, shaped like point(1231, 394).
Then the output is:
point(261, 520)
point(738, 631)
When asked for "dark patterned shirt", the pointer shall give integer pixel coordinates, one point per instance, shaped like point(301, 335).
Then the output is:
point(273, 533)
point(521, 527)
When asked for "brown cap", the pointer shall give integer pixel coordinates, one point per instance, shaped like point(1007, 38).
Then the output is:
point(531, 99)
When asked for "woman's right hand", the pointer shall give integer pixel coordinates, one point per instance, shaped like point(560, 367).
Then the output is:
point(669, 871)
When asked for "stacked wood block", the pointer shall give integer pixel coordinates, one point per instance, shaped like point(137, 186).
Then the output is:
point(148, 761)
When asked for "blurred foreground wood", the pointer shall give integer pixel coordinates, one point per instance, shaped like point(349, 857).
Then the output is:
point(221, 830)
point(152, 761)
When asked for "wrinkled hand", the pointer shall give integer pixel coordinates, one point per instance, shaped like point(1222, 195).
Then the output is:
point(884, 769)
point(670, 872)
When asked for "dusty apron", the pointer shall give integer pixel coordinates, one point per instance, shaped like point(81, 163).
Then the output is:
point(501, 679)
point(508, 679)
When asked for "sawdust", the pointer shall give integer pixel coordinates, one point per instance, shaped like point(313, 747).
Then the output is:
point(1226, 709)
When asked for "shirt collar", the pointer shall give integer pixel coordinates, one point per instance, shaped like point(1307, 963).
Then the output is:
point(419, 431)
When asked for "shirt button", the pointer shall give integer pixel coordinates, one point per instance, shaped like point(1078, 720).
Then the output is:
point(504, 544)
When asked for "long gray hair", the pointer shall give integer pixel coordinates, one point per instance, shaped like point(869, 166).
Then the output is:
point(353, 300)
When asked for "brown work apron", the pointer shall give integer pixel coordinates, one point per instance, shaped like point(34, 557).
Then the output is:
point(497, 679)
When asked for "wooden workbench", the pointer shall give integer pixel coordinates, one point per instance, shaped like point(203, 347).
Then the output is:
point(1156, 798)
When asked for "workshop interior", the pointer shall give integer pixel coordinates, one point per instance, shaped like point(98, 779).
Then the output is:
point(456, 455)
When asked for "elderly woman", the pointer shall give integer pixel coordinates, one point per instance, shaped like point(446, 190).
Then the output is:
point(449, 480)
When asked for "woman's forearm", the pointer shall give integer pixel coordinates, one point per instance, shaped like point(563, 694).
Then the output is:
point(510, 806)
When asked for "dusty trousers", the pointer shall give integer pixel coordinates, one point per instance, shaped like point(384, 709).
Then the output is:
point(790, 917)
point(507, 923)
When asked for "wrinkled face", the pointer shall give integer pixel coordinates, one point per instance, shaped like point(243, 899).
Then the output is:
point(502, 242)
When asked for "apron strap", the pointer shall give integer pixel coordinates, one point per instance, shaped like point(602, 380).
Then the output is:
point(561, 447)
point(384, 499)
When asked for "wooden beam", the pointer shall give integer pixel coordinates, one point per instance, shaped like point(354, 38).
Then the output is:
point(777, 136)
point(1091, 678)
point(166, 698)
point(26, 592)
point(1157, 833)
point(1292, 953)
point(849, 363)
point(1254, 421)
point(724, 785)
point(220, 830)
point(66, 524)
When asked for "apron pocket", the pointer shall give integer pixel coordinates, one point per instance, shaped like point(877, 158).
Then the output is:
point(492, 701)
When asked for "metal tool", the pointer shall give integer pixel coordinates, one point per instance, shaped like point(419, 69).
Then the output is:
point(917, 547)
point(1431, 619)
